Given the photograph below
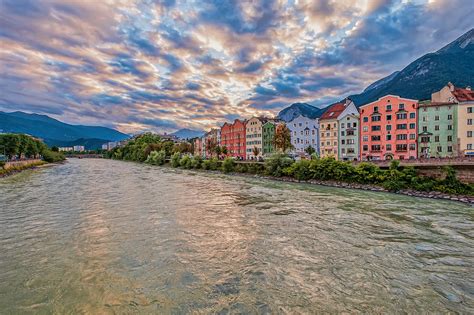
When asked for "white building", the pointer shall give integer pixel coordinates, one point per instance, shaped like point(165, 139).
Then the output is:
point(79, 148)
point(66, 149)
point(304, 133)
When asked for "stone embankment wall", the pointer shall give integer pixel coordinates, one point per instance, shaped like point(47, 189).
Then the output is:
point(12, 164)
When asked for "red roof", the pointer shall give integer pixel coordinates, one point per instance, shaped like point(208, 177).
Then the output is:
point(463, 95)
point(334, 111)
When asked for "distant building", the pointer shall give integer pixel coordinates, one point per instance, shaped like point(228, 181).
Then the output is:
point(110, 145)
point(268, 135)
point(198, 142)
point(66, 149)
point(329, 127)
point(464, 98)
point(349, 136)
point(254, 137)
point(389, 129)
point(233, 137)
point(79, 148)
point(304, 133)
point(210, 141)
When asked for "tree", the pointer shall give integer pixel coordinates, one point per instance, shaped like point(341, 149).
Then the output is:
point(256, 151)
point(218, 150)
point(310, 150)
point(211, 144)
point(282, 138)
point(224, 150)
point(54, 149)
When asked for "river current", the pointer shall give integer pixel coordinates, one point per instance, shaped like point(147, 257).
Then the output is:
point(98, 236)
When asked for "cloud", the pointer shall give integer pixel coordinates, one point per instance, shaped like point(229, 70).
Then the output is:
point(160, 65)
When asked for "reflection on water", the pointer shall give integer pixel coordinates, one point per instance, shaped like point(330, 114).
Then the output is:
point(99, 236)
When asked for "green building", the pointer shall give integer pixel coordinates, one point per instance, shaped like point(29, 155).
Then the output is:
point(268, 132)
point(437, 130)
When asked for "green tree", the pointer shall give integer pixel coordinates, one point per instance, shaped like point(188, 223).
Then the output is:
point(282, 138)
point(310, 150)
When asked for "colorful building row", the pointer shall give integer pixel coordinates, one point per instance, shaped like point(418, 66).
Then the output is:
point(392, 127)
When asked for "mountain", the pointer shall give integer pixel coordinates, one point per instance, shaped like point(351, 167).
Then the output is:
point(55, 132)
point(297, 109)
point(429, 73)
point(188, 133)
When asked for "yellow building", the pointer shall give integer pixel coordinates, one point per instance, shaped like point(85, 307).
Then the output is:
point(254, 137)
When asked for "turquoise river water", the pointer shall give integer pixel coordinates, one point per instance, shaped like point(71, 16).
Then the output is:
point(98, 236)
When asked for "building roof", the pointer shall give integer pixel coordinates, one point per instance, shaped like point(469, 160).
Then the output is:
point(429, 103)
point(334, 111)
point(463, 95)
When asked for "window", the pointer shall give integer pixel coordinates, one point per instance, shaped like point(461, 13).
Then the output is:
point(375, 128)
point(436, 117)
point(389, 117)
point(365, 147)
point(450, 148)
point(425, 119)
point(342, 133)
point(450, 138)
point(450, 127)
point(450, 117)
point(469, 134)
point(389, 108)
point(365, 129)
point(366, 119)
point(402, 116)
point(350, 141)
point(412, 115)
point(389, 137)
point(376, 109)
point(342, 125)
point(365, 138)
point(412, 126)
point(343, 150)
point(412, 136)
point(439, 149)
point(376, 147)
point(402, 147)
point(425, 139)
point(354, 125)
point(412, 147)
point(388, 127)
point(388, 147)
point(402, 137)
point(343, 141)
point(436, 138)
point(401, 126)
point(469, 110)
point(376, 118)
point(401, 106)
point(469, 121)
point(469, 146)
point(375, 138)
point(437, 128)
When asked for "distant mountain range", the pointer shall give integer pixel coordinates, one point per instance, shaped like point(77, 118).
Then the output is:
point(56, 133)
point(452, 63)
point(188, 133)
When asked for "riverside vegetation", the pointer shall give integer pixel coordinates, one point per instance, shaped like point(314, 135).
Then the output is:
point(148, 148)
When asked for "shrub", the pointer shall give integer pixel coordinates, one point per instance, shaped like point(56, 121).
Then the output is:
point(213, 164)
point(51, 157)
point(196, 162)
point(299, 170)
point(156, 157)
point(255, 168)
point(276, 163)
point(228, 165)
point(175, 159)
point(241, 168)
point(186, 162)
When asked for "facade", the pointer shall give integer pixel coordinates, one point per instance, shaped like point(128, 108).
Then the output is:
point(329, 127)
point(465, 114)
point(437, 130)
point(65, 149)
point(254, 136)
point(268, 133)
point(349, 137)
point(198, 147)
point(304, 133)
point(210, 141)
point(389, 129)
point(78, 148)
point(233, 138)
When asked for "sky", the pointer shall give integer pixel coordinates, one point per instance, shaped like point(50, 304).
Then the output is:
point(162, 65)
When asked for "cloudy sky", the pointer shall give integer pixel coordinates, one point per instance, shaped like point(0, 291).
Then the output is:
point(165, 64)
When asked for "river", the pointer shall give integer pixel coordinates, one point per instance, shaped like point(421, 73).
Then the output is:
point(98, 236)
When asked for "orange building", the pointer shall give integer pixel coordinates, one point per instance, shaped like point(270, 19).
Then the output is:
point(389, 129)
point(233, 137)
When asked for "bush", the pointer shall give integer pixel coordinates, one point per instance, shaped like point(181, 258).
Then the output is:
point(186, 162)
point(255, 168)
point(299, 170)
point(275, 165)
point(206, 165)
point(241, 168)
point(51, 157)
point(196, 162)
point(156, 158)
point(175, 159)
point(228, 165)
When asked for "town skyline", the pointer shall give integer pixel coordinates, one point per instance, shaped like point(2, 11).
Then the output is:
point(163, 66)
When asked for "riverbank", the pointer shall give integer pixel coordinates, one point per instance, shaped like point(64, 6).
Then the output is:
point(22, 167)
point(356, 186)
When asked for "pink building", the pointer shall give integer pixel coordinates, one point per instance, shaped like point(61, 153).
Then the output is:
point(388, 129)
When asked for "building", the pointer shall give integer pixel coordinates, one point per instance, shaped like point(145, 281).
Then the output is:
point(464, 98)
point(254, 137)
point(349, 136)
point(211, 141)
point(233, 138)
point(268, 135)
point(329, 127)
point(79, 148)
point(304, 134)
point(65, 149)
point(198, 147)
point(110, 145)
point(389, 129)
point(437, 130)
